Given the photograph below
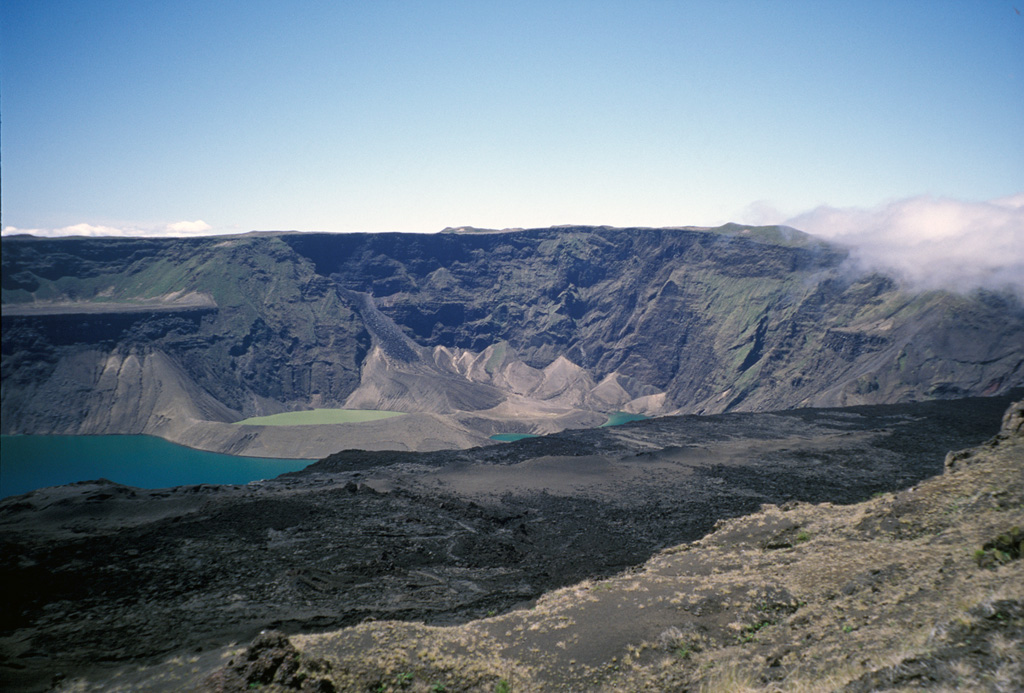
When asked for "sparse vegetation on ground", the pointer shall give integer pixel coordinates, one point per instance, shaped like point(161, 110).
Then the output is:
point(889, 596)
point(885, 594)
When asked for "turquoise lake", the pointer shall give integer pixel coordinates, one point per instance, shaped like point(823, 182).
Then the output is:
point(512, 437)
point(615, 419)
point(31, 462)
point(620, 417)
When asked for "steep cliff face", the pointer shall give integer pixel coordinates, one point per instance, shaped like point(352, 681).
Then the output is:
point(732, 318)
point(527, 331)
point(271, 336)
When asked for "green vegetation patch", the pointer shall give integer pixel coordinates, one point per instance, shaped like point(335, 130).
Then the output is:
point(497, 357)
point(1001, 550)
point(319, 416)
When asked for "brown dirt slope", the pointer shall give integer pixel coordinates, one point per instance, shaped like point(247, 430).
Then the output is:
point(918, 589)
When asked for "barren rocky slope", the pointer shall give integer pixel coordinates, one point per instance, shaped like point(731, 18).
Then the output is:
point(102, 579)
point(475, 333)
point(920, 589)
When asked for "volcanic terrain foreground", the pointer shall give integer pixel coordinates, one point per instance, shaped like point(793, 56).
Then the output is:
point(919, 589)
point(469, 334)
point(106, 578)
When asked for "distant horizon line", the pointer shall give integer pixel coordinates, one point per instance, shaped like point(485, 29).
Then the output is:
point(452, 230)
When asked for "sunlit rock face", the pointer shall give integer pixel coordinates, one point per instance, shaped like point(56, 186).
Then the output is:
point(475, 332)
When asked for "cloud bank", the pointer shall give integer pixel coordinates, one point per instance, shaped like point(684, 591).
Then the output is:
point(929, 242)
point(187, 228)
point(175, 229)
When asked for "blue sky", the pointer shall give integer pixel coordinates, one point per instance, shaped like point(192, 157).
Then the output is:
point(216, 116)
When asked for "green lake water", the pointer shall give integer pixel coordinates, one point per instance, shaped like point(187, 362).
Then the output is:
point(616, 419)
point(621, 417)
point(512, 437)
point(31, 462)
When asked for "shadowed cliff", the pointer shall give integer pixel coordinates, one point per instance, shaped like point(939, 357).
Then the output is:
point(476, 333)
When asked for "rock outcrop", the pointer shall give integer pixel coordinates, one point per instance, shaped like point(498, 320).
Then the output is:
point(526, 331)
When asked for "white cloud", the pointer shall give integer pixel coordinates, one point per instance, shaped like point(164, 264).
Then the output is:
point(74, 230)
point(178, 228)
point(761, 213)
point(931, 242)
point(1013, 201)
point(188, 228)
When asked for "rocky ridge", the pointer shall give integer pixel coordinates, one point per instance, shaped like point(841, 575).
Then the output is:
point(527, 331)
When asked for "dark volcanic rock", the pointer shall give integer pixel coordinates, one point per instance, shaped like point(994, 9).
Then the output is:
point(98, 572)
point(271, 660)
point(728, 319)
